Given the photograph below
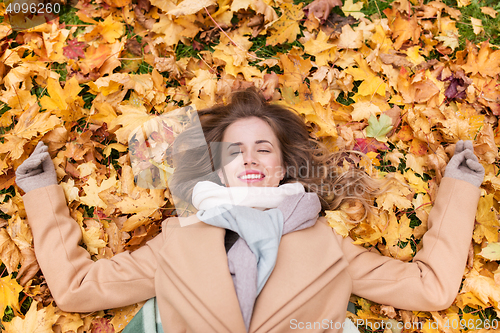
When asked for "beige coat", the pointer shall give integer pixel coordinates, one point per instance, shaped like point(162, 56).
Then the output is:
point(316, 270)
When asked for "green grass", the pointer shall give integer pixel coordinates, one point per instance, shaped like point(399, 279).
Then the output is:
point(491, 25)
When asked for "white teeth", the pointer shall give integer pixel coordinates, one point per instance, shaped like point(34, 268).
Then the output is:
point(251, 176)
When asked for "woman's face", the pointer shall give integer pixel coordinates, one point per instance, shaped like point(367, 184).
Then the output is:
point(251, 155)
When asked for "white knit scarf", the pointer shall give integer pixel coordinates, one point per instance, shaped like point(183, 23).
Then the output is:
point(207, 195)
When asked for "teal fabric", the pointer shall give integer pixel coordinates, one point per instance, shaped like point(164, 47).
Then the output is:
point(147, 320)
point(261, 230)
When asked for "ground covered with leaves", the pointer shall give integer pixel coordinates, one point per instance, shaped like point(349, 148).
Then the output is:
point(401, 81)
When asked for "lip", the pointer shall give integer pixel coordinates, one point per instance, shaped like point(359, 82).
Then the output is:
point(251, 172)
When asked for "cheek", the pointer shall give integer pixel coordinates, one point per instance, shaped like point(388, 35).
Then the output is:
point(275, 165)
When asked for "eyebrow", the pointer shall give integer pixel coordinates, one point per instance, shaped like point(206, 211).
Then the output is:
point(257, 142)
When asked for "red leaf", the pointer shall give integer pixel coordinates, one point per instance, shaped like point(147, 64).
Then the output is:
point(369, 144)
point(74, 50)
point(102, 325)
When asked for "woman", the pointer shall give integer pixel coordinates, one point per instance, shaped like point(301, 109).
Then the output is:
point(299, 273)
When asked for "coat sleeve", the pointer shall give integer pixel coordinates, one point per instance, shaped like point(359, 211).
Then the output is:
point(432, 280)
point(77, 283)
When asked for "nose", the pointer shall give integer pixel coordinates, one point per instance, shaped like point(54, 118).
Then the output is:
point(249, 158)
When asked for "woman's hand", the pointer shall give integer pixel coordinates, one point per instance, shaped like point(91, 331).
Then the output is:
point(37, 170)
point(464, 165)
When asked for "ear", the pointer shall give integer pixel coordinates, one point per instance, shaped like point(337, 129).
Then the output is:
point(283, 172)
point(221, 176)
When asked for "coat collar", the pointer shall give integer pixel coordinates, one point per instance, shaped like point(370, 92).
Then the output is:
point(196, 254)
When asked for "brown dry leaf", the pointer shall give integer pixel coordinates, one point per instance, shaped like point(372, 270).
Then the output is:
point(29, 266)
point(489, 11)
point(10, 255)
point(477, 25)
point(485, 61)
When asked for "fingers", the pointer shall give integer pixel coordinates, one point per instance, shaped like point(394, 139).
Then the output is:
point(475, 166)
point(47, 163)
point(29, 166)
point(469, 154)
point(33, 163)
point(457, 159)
point(459, 147)
point(468, 145)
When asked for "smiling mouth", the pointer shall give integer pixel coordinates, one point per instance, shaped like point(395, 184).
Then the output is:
point(252, 176)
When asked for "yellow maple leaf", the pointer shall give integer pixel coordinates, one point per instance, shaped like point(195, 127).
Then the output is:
point(353, 9)
point(405, 29)
point(468, 299)
point(131, 118)
point(295, 70)
point(36, 321)
point(204, 82)
point(140, 202)
point(170, 30)
point(380, 39)
point(414, 55)
point(320, 43)
point(363, 111)
point(188, 7)
point(484, 288)
point(463, 3)
point(109, 30)
point(371, 82)
point(349, 39)
point(259, 6)
point(70, 191)
point(286, 28)
point(95, 57)
point(321, 92)
point(69, 322)
point(103, 113)
point(337, 219)
point(9, 294)
point(13, 145)
point(92, 190)
point(395, 196)
point(64, 103)
point(91, 236)
point(487, 221)
point(484, 62)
